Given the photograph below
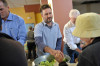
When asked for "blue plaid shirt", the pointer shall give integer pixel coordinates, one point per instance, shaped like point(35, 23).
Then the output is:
point(14, 26)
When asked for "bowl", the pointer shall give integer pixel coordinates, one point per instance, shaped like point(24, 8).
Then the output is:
point(48, 58)
point(43, 58)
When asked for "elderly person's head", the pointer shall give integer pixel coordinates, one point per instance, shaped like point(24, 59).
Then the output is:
point(87, 27)
point(73, 15)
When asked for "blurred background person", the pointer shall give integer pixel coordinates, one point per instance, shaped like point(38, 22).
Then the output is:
point(12, 24)
point(31, 44)
point(71, 43)
point(11, 52)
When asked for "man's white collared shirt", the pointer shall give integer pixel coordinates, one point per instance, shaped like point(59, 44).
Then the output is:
point(69, 39)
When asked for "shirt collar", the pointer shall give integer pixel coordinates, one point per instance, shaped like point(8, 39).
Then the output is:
point(10, 16)
point(73, 25)
point(70, 24)
point(46, 24)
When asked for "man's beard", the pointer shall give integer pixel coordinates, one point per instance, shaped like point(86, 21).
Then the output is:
point(49, 20)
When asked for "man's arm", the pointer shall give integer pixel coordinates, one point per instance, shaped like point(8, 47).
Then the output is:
point(58, 44)
point(38, 37)
point(40, 44)
point(69, 38)
point(43, 48)
point(59, 40)
point(56, 53)
point(22, 32)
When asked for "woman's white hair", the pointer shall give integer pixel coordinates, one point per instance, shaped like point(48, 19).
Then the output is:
point(74, 13)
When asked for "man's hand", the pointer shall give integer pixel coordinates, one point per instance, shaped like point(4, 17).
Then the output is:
point(78, 50)
point(59, 56)
point(56, 53)
point(81, 45)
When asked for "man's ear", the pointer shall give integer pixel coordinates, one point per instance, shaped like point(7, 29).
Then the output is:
point(8, 7)
point(41, 14)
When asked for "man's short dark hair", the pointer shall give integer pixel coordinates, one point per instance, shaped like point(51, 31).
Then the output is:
point(45, 6)
point(4, 2)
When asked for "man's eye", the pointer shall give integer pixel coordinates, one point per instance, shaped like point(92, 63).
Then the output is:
point(1, 9)
point(46, 14)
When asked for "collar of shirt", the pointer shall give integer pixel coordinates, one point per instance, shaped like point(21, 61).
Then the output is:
point(10, 17)
point(53, 23)
point(70, 24)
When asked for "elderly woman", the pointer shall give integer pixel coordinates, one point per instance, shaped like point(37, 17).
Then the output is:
point(88, 30)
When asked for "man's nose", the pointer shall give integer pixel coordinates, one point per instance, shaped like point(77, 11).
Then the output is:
point(49, 15)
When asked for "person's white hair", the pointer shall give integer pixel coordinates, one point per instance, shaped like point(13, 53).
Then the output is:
point(74, 13)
